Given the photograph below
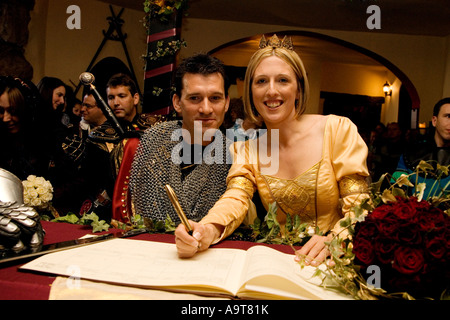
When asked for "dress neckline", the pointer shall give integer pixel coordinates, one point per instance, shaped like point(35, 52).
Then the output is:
point(313, 167)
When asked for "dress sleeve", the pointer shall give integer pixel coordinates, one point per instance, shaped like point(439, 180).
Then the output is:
point(230, 210)
point(349, 154)
point(349, 151)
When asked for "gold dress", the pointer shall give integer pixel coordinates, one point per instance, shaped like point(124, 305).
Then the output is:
point(321, 196)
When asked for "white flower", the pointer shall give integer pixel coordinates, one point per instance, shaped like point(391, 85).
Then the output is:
point(310, 231)
point(37, 192)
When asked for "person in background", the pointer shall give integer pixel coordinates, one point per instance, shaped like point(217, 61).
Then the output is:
point(75, 114)
point(390, 150)
point(53, 92)
point(376, 140)
point(91, 112)
point(435, 149)
point(30, 146)
point(96, 164)
point(124, 100)
point(243, 129)
point(26, 140)
point(69, 191)
point(105, 140)
point(73, 109)
point(320, 171)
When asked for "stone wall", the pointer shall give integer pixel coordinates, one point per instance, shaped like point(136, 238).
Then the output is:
point(14, 20)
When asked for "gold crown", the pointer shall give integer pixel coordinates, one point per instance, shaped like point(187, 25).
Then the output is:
point(275, 42)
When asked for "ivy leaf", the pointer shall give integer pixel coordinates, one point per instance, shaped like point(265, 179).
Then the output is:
point(159, 225)
point(99, 226)
point(387, 196)
point(444, 169)
point(288, 222)
point(94, 221)
point(297, 222)
point(420, 190)
point(424, 166)
point(169, 225)
point(397, 192)
point(403, 180)
point(68, 218)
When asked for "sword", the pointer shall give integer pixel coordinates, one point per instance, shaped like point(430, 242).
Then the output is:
point(10, 256)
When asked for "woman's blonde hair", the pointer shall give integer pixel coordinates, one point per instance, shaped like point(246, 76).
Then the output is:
point(293, 60)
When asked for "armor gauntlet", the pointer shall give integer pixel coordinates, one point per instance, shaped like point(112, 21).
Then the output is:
point(20, 226)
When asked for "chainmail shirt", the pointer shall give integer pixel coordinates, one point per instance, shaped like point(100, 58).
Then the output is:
point(153, 167)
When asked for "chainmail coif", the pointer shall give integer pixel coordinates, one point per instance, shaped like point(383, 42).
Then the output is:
point(153, 168)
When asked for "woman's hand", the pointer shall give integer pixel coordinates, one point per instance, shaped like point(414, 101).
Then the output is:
point(202, 237)
point(315, 251)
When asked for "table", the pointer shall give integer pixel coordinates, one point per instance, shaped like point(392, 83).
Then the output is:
point(20, 285)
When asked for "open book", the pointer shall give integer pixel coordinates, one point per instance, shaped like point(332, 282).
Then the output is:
point(258, 273)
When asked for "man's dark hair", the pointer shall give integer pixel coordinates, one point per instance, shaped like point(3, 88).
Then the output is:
point(203, 64)
point(439, 104)
point(122, 79)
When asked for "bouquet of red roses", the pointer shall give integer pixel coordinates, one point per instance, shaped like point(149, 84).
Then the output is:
point(397, 238)
point(409, 240)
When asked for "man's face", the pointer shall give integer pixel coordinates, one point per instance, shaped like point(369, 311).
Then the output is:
point(122, 102)
point(202, 104)
point(91, 113)
point(442, 124)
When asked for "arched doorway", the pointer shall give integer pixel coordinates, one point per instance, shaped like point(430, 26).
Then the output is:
point(336, 69)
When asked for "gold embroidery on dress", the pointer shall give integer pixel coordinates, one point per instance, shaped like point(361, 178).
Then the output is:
point(296, 196)
point(353, 184)
point(241, 183)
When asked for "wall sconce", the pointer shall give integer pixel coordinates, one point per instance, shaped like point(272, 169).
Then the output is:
point(422, 128)
point(387, 89)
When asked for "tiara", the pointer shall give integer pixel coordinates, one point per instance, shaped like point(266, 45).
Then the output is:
point(275, 42)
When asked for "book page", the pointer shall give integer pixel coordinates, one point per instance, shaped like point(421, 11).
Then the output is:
point(146, 264)
point(273, 274)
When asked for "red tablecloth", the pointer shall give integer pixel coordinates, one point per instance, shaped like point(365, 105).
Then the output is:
point(21, 285)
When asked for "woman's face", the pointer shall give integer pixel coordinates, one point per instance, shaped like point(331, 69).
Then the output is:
point(7, 115)
point(58, 99)
point(76, 110)
point(274, 90)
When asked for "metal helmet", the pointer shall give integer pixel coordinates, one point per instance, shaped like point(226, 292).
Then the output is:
point(11, 188)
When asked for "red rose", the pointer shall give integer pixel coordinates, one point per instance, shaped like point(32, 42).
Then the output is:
point(363, 250)
point(385, 249)
point(367, 229)
point(404, 283)
point(436, 247)
point(408, 260)
point(425, 221)
point(420, 205)
point(388, 225)
point(404, 210)
point(408, 233)
point(382, 211)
